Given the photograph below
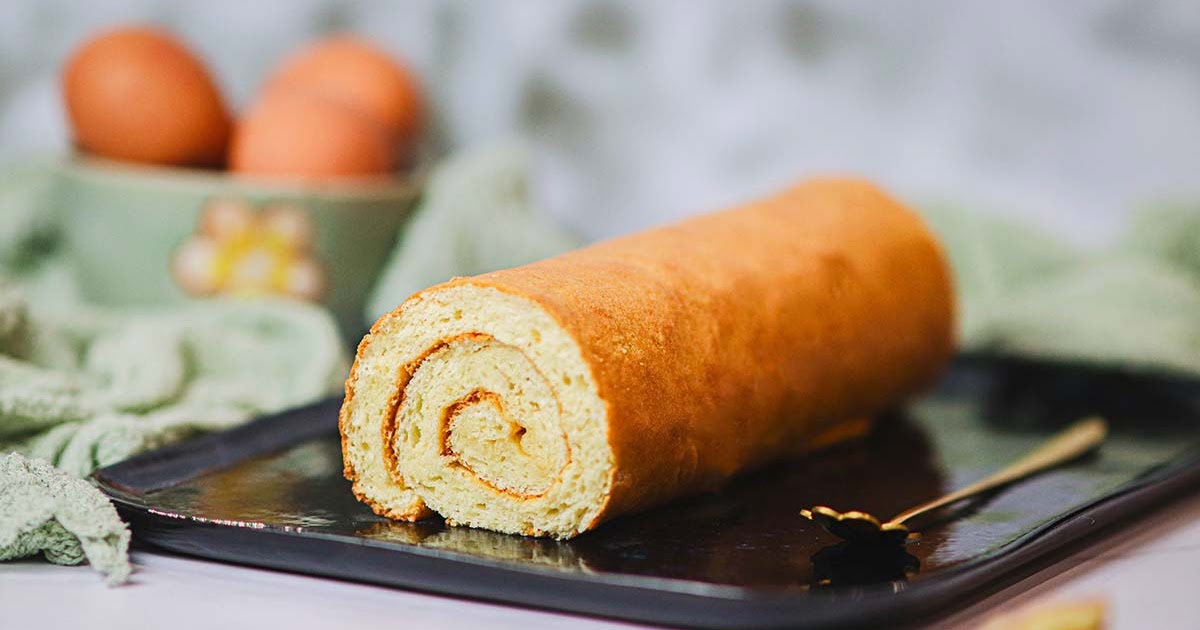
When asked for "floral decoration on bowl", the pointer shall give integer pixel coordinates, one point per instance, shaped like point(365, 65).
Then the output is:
point(237, 250)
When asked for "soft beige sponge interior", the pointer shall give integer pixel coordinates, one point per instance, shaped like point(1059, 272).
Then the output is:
point(477, 404)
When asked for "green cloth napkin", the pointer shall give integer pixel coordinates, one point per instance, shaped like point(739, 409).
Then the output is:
point(1134, 305)
point(44, 510)
point(91, 388)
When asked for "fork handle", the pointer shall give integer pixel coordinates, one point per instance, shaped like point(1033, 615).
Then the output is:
point(1070, 443)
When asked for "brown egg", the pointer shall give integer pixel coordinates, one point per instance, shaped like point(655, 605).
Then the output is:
point(137, 94)
point(360, 75)
point(296, 135)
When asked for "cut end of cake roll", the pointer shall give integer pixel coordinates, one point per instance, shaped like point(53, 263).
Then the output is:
point(477, 404)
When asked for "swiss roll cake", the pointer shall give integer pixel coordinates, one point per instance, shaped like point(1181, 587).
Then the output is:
point(544, 399)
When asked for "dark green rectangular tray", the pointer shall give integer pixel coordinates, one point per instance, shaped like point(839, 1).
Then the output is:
point(271, 494)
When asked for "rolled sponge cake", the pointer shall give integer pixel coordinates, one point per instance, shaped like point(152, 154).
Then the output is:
point(545, 399)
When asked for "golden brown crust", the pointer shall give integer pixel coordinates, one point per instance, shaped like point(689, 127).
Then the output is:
point(344, 413)
point(720, 342)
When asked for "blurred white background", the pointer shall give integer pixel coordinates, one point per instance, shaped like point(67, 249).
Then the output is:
point(1070, 113)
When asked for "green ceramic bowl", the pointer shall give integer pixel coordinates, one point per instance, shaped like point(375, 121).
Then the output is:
point(151, 235)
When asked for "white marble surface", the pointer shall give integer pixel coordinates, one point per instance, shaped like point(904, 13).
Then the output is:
point(1147, 572)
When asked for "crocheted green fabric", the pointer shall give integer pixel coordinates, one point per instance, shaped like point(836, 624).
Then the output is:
point(1134, 306)
point(91, 388)
point(46, 511)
